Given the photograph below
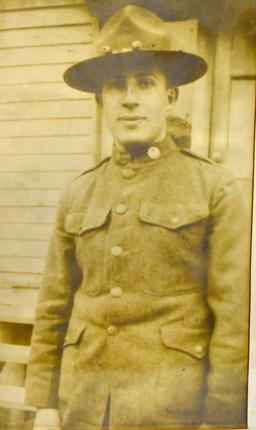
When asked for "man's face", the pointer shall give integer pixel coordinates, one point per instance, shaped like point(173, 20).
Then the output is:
point(135, 105)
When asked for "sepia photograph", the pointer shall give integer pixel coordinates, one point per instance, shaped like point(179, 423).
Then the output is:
point(127, 214)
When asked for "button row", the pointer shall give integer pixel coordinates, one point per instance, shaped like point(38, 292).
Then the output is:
point(116, 251)
point(116, 292)
point(154, 152)
point(199, 348)
point(112, 330)
point(128, 173)
point(121, 209)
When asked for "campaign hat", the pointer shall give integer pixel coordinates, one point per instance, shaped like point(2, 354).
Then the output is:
point(134, 37)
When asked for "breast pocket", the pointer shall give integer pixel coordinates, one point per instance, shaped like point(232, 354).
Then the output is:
point(89, 229)
point(82, 222)
point(173, 215)
point(175, 254)
point(184, 359)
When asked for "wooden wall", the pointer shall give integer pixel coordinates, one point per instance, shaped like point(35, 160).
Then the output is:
point(47, 130)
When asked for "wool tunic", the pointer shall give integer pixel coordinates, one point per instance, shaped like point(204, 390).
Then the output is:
point(145, 296)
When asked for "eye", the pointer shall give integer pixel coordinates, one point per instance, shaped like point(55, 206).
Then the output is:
point(117, 83)
point(146, 82)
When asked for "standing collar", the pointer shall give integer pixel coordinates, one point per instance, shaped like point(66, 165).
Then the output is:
point(143, 152)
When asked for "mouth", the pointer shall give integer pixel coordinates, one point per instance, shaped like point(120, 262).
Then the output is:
point(131, 118)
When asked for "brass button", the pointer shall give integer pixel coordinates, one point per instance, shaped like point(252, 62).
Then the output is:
point(121, 209)
point(137, 44)
point(217, 157)
point(128, 173)
point(154, 152)
point(116, 251)
point(116, 292)
point(199, 348)
point(112, 330)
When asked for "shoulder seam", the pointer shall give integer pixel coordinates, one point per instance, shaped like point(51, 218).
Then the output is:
point(198, 157)
point(95, 167)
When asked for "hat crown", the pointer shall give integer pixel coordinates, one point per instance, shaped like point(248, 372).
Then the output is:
point(133, 28)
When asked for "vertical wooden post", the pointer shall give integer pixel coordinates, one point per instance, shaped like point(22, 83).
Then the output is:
point(221, 97)
point(97, 132)
point(201, 115)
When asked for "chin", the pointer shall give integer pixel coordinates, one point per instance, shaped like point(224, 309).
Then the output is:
point(133, 139)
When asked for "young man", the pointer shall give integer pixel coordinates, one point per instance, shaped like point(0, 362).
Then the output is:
point(142, 316)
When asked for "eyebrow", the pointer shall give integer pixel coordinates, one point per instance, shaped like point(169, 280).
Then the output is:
point(150, 73)
point(138, 74)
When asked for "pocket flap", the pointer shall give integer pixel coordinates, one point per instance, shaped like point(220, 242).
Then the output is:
point(73, 222)
point(74, 332)
point(80, 222)
point(192, 341)
point(173, 215)
point(94, 218)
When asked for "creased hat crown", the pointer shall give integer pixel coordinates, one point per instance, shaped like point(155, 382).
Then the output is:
point(132, 28)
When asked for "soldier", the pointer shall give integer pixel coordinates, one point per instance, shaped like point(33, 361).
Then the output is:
point(142, 315)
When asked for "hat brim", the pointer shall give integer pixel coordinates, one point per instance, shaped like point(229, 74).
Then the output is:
point(180, 67)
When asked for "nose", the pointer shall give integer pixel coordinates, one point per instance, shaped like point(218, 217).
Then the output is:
point(130, 97)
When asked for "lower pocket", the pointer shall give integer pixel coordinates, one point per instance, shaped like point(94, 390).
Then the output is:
point(183, 369)
point(71, 348)
point(190, 341)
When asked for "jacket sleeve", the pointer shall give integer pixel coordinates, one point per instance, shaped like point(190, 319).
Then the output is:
point(228, 298)
point(61, 278)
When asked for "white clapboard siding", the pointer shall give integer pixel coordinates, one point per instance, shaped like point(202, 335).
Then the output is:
point(14, 353)
point(46, 145)
point(37, 179)
point(20, 279)
point(19, 296)
point(21, 197)
point(27, 4)
point(33, 74)
point(26, 214)
point(44, 17)
point(47, 127)
point(44, 55)
point(21, 264)
point(25, 232)
point(18, 304)
point(40, 92)
point(21, 248)
point(13, 397)
point(50, 109)
point(23, 163)
point(40, 36)
point(47, 130)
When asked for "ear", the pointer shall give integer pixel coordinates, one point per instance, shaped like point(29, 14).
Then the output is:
point(172, 93)
point(98, 98)
point(172, 97)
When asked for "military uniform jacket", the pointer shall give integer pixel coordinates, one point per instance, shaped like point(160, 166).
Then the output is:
point(144, 297)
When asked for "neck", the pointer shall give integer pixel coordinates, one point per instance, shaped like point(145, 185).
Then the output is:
point(137, 147)
point(140, 149)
